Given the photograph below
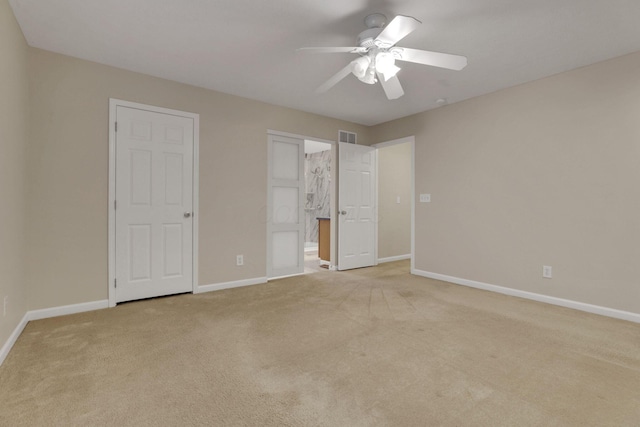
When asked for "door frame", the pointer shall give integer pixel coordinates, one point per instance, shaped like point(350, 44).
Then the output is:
point(410, 140)
point(332, 197)
point(111, 254)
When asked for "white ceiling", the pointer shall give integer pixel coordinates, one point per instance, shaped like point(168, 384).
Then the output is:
point(247, 47)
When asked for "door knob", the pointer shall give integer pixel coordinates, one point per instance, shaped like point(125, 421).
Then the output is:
point(343, 212)
point(187, 214)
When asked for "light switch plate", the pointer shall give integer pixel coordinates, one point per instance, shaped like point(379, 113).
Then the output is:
point(425, 198)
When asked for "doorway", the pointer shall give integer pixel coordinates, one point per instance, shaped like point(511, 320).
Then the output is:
point(153, 190)
point(286, 202)
point(396, 200)
point(294, 206)
point(317, 205)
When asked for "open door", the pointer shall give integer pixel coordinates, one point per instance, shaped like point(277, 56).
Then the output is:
point(285, 213)
point(357, 202)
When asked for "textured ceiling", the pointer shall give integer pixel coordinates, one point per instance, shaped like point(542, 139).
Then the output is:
point(247, 47)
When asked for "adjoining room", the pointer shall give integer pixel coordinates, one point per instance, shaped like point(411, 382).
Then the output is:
point(317, 204)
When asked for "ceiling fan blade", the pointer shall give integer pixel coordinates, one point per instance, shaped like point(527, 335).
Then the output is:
point(335, 79)
point(398, 28)
point(392, 87)
point(435, 59)
point(330, 50)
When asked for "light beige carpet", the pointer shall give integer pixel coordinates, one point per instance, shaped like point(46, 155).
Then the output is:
point(367, 347)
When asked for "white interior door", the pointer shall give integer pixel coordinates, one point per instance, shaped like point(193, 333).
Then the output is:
point(357, 203)
point(285, 214)
point(154, 204)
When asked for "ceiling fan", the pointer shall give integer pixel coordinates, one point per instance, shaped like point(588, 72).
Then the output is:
point(378, 54)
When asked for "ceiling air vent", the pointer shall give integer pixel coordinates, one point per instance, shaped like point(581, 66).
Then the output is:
point(348, 137)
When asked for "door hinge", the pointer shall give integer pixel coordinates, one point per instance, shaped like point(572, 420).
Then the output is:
point(115, 283)
point(116, 126)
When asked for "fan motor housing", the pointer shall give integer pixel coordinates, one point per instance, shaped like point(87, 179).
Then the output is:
point(367, 37)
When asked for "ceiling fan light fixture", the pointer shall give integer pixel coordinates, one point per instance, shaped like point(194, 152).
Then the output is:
point(360, 66)
point(386, 65)
point(369, 77)
point(390, 72)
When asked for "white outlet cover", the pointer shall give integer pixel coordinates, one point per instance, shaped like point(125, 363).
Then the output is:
point(547, 272)
point(425, 198)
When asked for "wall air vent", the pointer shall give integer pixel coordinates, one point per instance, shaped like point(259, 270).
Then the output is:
point(348, 137)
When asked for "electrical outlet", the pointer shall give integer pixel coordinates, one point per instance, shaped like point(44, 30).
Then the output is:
point(239, 259)
point(425, 198)
point(546, 271)
point(4, 305)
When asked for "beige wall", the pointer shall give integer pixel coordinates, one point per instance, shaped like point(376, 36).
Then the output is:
point(68, 174)
point(394, 219)
point(13, 142)
point(546, 173)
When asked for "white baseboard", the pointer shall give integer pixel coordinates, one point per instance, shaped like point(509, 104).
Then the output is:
point(229, 285)
point(394, 258)
point(45, 313)
point(589, 308)
point(6, 348)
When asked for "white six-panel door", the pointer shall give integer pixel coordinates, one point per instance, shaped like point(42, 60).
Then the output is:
point(285, 214)
point(357, 204)
point(154, 204)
